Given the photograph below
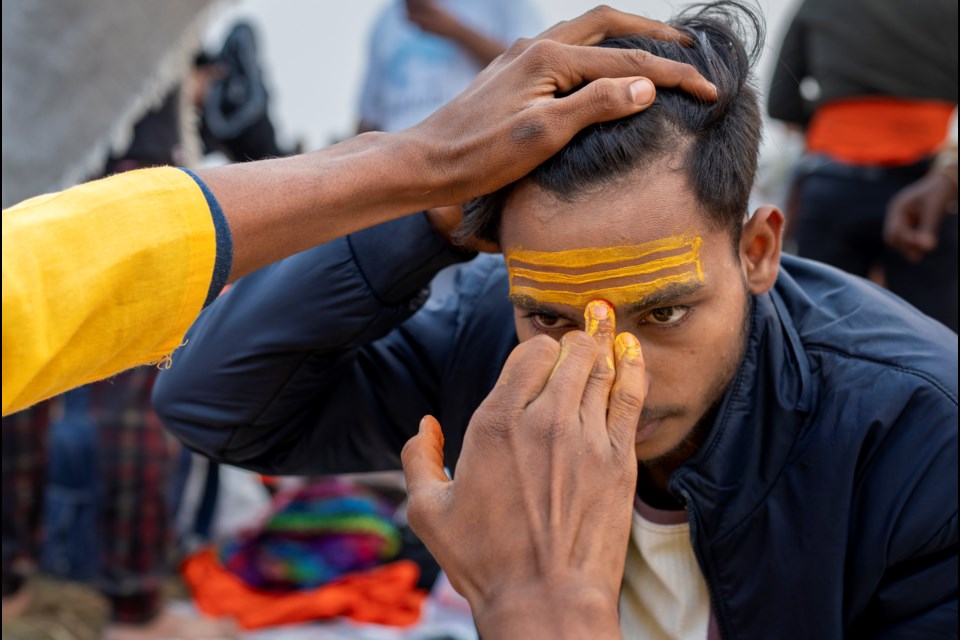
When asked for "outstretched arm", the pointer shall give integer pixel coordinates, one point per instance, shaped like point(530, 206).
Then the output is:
point(503, 125)
point(533, 529)
point(111, 274)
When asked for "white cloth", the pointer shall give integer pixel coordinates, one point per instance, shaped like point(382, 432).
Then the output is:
point(664, 594)
point(411, 73)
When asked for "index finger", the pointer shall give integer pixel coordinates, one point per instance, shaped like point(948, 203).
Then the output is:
point(602, 22)
point(586, 64)
point(525, 373)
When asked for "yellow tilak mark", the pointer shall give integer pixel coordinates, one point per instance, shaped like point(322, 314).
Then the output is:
point(687, 258)
point(616, 295)
point(574, 258)
point(627, 346)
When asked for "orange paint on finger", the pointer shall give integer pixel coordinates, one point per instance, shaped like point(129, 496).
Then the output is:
point(595, 312)
point(627, 346)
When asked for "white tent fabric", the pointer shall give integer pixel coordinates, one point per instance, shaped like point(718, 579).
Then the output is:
point(77, 76)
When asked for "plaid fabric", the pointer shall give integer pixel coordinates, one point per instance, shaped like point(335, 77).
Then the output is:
point(24, 454)
point(134, 456)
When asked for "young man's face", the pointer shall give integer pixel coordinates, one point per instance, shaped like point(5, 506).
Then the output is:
point(674, 282)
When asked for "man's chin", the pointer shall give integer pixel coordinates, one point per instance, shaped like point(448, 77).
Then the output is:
point(653, 441)
point(669, 440)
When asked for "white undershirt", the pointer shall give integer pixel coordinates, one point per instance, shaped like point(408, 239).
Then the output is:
point(664, 594)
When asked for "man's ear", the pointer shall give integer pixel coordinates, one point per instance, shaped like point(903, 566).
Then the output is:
point(760, 247)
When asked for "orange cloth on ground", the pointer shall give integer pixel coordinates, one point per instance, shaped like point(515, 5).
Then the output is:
point(880, 131)
point(385, 595)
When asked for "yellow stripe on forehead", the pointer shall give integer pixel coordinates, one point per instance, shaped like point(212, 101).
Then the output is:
point(570, 269)
point(690, 257)
point(617, 296)
point(575, 258)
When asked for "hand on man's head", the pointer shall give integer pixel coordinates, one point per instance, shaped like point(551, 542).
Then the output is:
point(509, 120)
point(533, 530)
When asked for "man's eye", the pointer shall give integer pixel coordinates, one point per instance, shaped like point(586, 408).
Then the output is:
point(544, 322)
point(667, 315)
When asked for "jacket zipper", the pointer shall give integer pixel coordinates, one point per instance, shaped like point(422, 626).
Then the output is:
point(708, 578)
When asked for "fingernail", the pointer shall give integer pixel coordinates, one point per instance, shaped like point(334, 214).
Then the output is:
point(642, 92)
point(596, 312)
point(627, 346)
point(423, 424)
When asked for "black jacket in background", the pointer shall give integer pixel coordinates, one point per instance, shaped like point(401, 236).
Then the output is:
point(854, 48)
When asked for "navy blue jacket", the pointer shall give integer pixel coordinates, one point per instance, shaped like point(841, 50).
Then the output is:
point(823, 503)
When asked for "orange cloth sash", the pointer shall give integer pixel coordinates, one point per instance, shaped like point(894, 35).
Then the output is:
point(879, 131)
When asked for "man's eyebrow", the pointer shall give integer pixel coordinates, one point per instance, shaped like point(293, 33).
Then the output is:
point(528, 304)
point(669, 295)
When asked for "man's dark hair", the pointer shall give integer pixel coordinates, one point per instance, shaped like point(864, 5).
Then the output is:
point(716, 143)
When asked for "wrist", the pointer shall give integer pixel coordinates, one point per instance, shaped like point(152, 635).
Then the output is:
point(549, 611)
point(434, 164)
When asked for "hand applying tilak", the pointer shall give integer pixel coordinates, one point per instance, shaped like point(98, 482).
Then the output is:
point(534, 528)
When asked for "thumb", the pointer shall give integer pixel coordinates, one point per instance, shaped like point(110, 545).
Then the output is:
point(606, 99)
point(422, 458)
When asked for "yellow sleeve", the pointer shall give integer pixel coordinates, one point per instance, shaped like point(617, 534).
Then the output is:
point(100, 278)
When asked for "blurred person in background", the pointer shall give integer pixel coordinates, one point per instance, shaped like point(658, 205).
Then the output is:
point(873, 86)
point(232, 100)
point(422, 53)
point(132, 468)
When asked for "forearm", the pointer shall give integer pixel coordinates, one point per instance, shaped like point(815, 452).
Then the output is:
point(276, 353)
point(279, 207)
point(100, 278)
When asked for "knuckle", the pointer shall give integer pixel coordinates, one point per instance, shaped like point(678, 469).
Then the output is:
point(627, 398)
point(578, 341)
point(518, 47)
point(533, 128)
point(540, 347)
point(602, 371)
point(606, 94)
point(601, 13)
point(494, 422)
point(643, 58)
point(688, 71)
point(551, 426)
point(542, 52)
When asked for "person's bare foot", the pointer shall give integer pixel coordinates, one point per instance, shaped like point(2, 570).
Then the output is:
point(14, 605)
point(170, 625)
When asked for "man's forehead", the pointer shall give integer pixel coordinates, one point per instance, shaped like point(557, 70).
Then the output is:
point(621, 274)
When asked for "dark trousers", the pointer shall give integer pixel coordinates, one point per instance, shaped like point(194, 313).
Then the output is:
point(840, 214)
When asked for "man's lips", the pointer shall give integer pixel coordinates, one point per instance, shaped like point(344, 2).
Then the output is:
point(648, 429)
